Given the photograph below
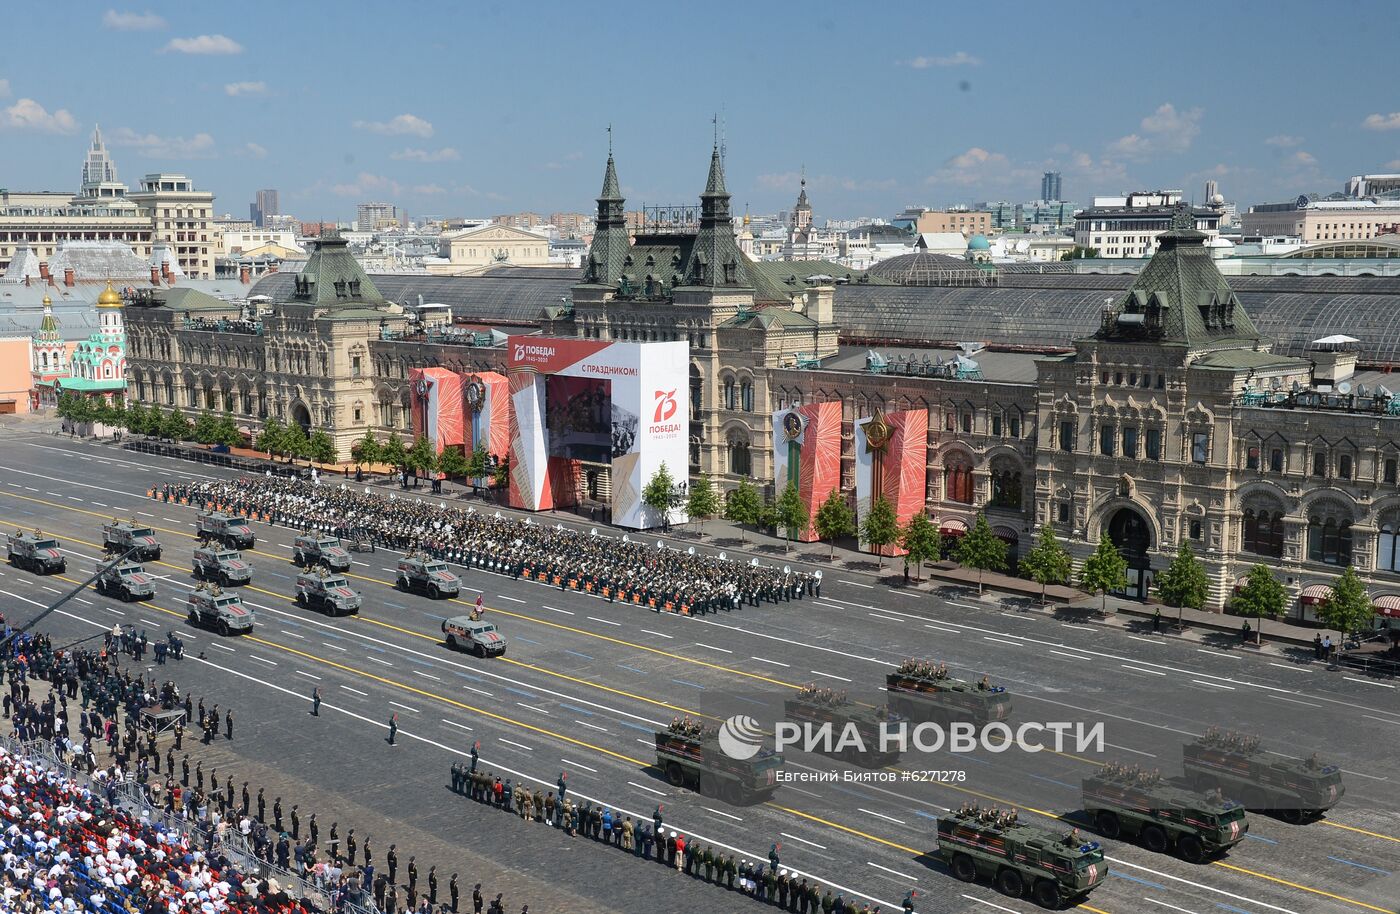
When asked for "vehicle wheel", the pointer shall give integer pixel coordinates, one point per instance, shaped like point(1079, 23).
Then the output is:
point(1292, 815)
point(480, 651)
point(674, 775)
point(1108, 824)
point(733, 794)
point(964, 869)
point(298, 559)
point(125, 595)
point(434, 593)
point(1191, 849)
point(223, 579)
point(1010, 883)
point(707, 786)
point(1045, 893)
point(223, 629)
point(194, 619)
point(452, 641)
point(301, 599)
point(402, 584)
point(1154, 839)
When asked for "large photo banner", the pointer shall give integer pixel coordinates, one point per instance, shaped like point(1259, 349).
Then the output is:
point(891, 463)
point(488, 404)
point(807, 453)
point(588, 402)
point(437, 407)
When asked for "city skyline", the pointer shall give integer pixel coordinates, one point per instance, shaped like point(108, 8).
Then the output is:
point(948, 114)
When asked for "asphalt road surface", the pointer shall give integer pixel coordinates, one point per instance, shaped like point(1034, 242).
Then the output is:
point(585, 684)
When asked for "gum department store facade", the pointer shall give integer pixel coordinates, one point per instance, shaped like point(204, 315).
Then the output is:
point(1170, 419)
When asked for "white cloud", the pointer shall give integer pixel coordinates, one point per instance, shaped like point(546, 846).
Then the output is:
point(205, 44)
point(976, 166)
point(1284, 141)
point(254, 151)
point(132, 22)
point(957, 59)
point(445, 154)
point(427, 190)
point(403, 125)
point(366, 183)
point(4, 88)
point(1163, 131)
point(1393, 165)
point(249, 88)
point(1303, 158)
point(154, 146)
point(1389, 121)
point(27, 114)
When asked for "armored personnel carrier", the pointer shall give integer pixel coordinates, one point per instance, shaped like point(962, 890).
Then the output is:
point(127, 581)
point(426, 575)
point(470, 633)
point(1295, 790)
point(690, 755)
point(232, 530)
point(1057, 870)
point(225, 613)
point(319, 549)
point(326, 591)
point(213, 562)
point(1128, 802)
point(922, 690)
point(37, 553)
point(855, 730)
point(120, 536)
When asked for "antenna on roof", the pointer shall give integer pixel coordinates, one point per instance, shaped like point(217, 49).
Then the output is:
point(610, 139)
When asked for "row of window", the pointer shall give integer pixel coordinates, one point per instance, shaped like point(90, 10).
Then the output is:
point(1132, 442)
point(1133, 379)
point(1323, 466)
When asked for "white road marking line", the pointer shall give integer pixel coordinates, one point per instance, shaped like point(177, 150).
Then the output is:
point(857, 584)
point(829, 675)
point(307, 675)
point(1134, 751)
point(533, 708)
point(1213, 684)
point(605, 621)
point(1165, 905)
point(650, 632)
point(405, 707)
point(946, 631)
point(263, 660)
point(557, 610)
point(356, 691)
point(360, 563)
point(1201, 650)
point(1003, 641)
point(381, 567)
point(501, 596)
point(590, 726)
point(111, 610)
point(1138, 669)
point(222, 647)
point(991, 904)
point(774, 662)
point(99, 504)
point(718, 813)
point(453, 723)
point(377, 660)
point(1383, 720)
point(905, 593)
point(51, 589)
point(516, 745)
point(427, 675)
point(820, 847)
point(884, 618)
point(879, 815)
point(1384, 685)
point(335, 647)
point(81, 600)
point(722, 650)
point(473, 589)
point(1071, 656)
point(892, 872)
point(1148, 640)
point(964, 605)
point(293, 634)
point(1295, 701)
point(1296, 667)
point(646, 788)
point(578, 765)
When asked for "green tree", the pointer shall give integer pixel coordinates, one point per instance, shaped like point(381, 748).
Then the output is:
point(1348, 609)
point(175, 426)
point(421, 458)
point(479, 464)
point(227, 432)
point(921, 541)
point(702, 501)
point(206, 428)
point(981, 549)
point(134, 420)
point(834, 520)
point(393, 452)
point(656, 494)
point(1048, 562)
point(366, 450)
point(320, 448)
point(768, 518)
point(881, 527)
point(1184, 583)
point(1105, 570)
point(1079, 253)
point(1262, 597)
point(295, 443)
point(271, 437)
point(452, 463)
point(743, 506)
point(500, 478)
point(792, 512)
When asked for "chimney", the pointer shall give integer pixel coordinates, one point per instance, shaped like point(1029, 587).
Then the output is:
point(43, 269)
point(165, 269)
point(26, 280)
point(155, 275)
point(69, 278)
point(272, 268)
point(244, 274)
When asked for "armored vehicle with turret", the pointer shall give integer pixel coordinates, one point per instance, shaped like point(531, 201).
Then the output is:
point(732, 765)
point(922, 690)
point(843, 729)
point(1295, 790)
point(1128, 802)
point(1019, 859)
point(225, 613)
point(326, 591)
point(120, 536)
point(423, 574)
point(472, 633)
point(37, 553)
point(125, 580)
point(232, 530)
point(213, 562)
point(310, 549)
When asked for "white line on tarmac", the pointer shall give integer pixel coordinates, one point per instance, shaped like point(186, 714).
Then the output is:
point(377, 660)
point(722, 650)
point(590, 726)
point(605, 621)
point(501, 596)
point(1134, 751)
point(991, 904)
point(879, 815)
point(1384, 685)
point(557, 610)
point(263, 660)
point(334, 647)
point(946, 631)
point(820, 847)
point(578, 765)
point(533, 708)
point(718, 813)
point(1215, 685)
point(307, 675)
point(516, 745)
point(892, 872)
point(646, 788)
point(1138, 669)
point(1003, 641)
point(829, 675)
point(222, 647)
point(1295, 701)
point(657, 634)
point(857, 584)
point(356, 691)
point(453, 723)
point(774, 662)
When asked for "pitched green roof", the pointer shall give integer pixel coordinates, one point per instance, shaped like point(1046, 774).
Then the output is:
point(776, 280)
point(770, 318)
point(332, 278)
point(182, 298)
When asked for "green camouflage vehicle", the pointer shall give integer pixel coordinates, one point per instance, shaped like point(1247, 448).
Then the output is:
point(827, 709)
point(923, 691)
point(1128, 802)
point(691, 756)
point(1057, 870)
point(1295, 790)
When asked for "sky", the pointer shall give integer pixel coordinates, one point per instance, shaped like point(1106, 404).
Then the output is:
point(477, 108)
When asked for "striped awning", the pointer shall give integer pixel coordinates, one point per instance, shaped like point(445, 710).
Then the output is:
point(952, 527)
point(1314, 594)
point(1006, 534)
point(1388, 604)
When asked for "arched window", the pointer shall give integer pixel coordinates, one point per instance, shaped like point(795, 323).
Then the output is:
point(696, 390)
point(1263, 532)
point(740, 460)
point(1329, 537)
point(1388, 546)
point(957, 479)
point(746, 396)
point(728, 393)
point(1006, 488)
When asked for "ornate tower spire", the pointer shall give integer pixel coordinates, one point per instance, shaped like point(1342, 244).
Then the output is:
point(715, 259)
point(610, 242)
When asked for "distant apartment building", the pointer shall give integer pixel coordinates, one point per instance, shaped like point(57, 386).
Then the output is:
point(1313, 219)
point(1373, 185)
point(1128, 225)
point(373, 217)
point(966, 222)
point(182, 217)
point(43, 221)
point(263, 206)
point(1050, 186)
point(572, 225)
point(526, 220)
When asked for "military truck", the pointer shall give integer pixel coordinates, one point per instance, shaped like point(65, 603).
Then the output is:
point(855, 729)
point(213, 562)
point(310, 549)
point(1058, 870)
point(922, 690)
point(470, 633)
point(225, 613)
point(1128, 802)
point(426, 575)
point(121, 535)
point(37, 553)
point(1295, 790)
point(232, 530)
point(690, 755)
point(126, 580)
point(326, 591)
